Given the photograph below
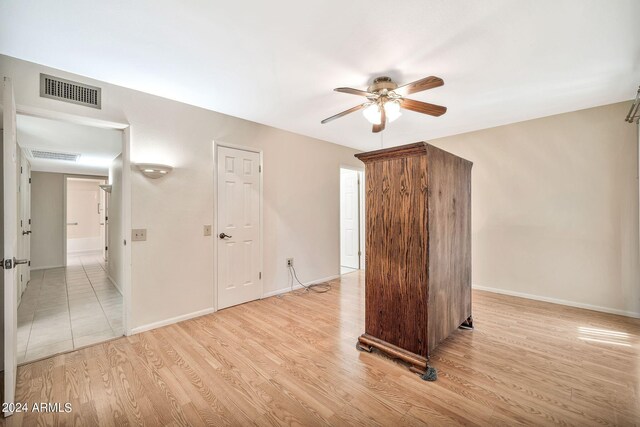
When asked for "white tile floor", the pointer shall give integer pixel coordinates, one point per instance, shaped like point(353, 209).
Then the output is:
point(67, 308)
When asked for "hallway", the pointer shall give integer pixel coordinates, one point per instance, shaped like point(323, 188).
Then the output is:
point(67, 308)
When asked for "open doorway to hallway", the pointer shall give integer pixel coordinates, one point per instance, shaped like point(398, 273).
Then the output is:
point(351, 220)
point(73, 296)
point(85, 215)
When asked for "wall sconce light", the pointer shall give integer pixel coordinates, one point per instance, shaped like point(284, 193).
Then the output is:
point(153, 170)
point(106, 188)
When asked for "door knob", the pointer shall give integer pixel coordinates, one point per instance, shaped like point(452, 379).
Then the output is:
point(225, 236)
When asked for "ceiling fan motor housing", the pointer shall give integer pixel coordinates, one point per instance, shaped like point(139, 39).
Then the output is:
point(381, 83)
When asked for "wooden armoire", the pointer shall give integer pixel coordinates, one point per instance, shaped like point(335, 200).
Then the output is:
point(418, 250)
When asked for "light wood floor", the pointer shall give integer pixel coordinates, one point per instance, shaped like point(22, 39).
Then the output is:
point(292, 360)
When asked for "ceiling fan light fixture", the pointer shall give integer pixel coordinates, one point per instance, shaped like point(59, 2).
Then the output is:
point(372, 114)
point(392, 110)
point(385, 100)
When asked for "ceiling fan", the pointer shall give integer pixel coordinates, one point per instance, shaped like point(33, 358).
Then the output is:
point(385, 99)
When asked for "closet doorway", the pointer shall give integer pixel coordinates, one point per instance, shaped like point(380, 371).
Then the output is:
point(351, 220)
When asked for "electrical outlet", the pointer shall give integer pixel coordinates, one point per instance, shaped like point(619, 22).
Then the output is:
point(289, 262)
point(139, 235)
point(207, 230)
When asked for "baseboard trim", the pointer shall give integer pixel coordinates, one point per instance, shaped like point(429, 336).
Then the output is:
point(115, 285)
point(298, 286)
point(558, 301)
point(46, 267)
point(171, 321)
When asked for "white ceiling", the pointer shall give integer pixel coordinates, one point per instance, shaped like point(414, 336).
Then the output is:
point(97, 147)
point(277, 62)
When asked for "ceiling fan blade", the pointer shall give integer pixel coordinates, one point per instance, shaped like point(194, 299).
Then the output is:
point(419, 85)
point(344, 113)
point(354, 91)
point(383, 121)
point(423, 107)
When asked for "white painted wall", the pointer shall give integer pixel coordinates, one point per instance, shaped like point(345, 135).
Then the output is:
point(172, 273)
point(115, 265)
point(47, 216)
point(83, 199)
point(555, 208)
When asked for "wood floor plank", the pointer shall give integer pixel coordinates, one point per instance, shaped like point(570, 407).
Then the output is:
point(291, 360)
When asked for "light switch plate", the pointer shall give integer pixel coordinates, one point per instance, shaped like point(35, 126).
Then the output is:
point(139, 235)
point(207, 230)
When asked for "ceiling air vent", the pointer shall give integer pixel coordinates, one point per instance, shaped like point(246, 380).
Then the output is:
point(53, 155)
point(68, 91)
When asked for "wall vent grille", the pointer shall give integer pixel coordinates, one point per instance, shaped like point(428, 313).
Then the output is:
point(53, 155)
point(69, 91)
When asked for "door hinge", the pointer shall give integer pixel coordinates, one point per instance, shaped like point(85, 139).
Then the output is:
point(29, 263)
point(29, 221)
point(106, 248)
point(20, 223)
point(260, 275)
point(125, 242)
point(29, 180)
point(359, 253)
point(20, 169)
point(259, 168)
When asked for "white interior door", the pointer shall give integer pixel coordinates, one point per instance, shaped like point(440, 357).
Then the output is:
point(238, 217)
point(10, 235)
point(349, 219)
point(27, 222)
point(24, 220)
point(105, 252)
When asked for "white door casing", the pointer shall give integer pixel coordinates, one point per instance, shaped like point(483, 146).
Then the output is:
point(349, 219)
point(238, 216)
point(10, 230)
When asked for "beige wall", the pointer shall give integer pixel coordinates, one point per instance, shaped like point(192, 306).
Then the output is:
point(555, 208)
point(172, 272)
point(115, 265)
point(47, 216)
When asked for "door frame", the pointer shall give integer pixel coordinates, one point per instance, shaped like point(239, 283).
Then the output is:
point(126, 189)
point(215, 214)
point(361, 216)
point(66, 176)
